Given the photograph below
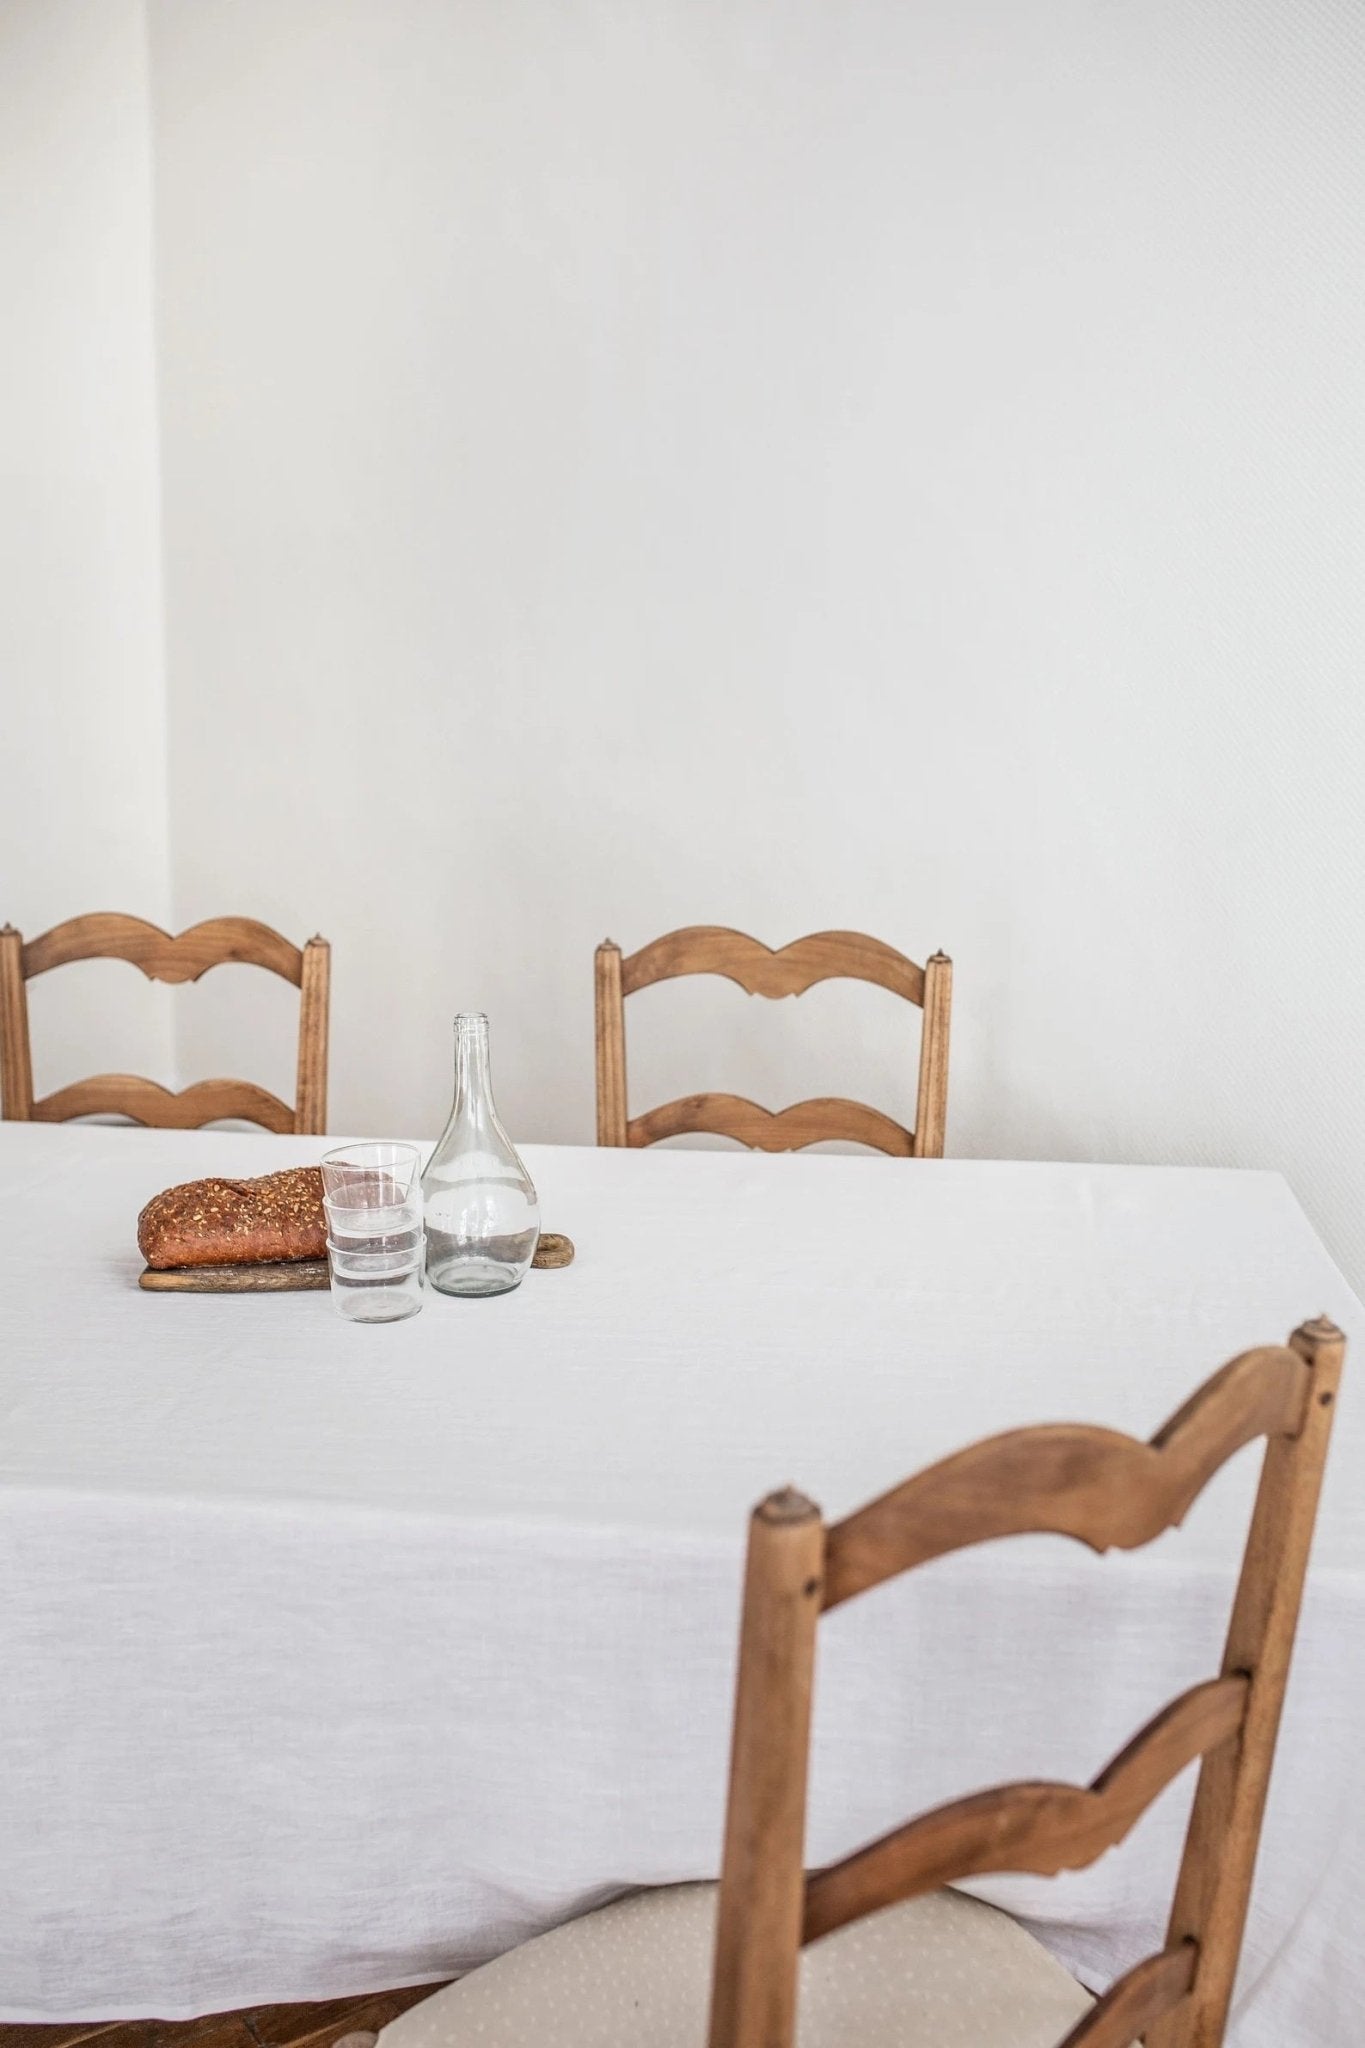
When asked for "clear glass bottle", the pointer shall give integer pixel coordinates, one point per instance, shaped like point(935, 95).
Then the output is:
point(482, 1215)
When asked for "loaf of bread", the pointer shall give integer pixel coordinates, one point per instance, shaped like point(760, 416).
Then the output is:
point(236, 1222)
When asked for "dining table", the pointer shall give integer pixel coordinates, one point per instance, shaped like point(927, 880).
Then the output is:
point(341, 1657)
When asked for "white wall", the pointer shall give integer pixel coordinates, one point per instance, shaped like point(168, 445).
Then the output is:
point(82, 698)
point(786, 465)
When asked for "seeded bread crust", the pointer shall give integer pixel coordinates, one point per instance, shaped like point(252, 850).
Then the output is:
point(236, 1222)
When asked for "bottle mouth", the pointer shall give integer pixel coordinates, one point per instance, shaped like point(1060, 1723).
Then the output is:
point(470, 1020)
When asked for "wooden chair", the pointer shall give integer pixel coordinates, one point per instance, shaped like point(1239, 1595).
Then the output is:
point(824, 956)
point(106, 935)
point(639, 1968)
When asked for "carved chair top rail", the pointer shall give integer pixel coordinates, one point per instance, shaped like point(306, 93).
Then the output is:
point(161, 955)
point(772, 971)
point(1099, 1486)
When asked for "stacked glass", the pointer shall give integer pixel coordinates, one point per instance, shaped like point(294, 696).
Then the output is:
point(375, 1242)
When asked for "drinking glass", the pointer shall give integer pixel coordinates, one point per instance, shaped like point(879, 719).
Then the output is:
point(375, 1245)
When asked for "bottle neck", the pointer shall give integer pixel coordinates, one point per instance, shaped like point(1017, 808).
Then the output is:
point(473, 1086)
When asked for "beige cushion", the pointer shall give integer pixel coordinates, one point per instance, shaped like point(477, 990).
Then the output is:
point(937, 1972)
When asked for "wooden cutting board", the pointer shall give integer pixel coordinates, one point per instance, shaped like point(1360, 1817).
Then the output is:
point(294, 1276)
point(284, 1276)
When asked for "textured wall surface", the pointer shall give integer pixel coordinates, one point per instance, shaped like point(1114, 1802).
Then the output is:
point(82, 698)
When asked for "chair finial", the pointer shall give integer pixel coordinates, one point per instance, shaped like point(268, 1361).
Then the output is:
point(1320, 1330)
point(788, 1504)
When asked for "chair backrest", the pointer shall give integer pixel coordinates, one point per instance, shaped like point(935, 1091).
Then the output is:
point(1106, 1490)
point(106, 935)
point(824, 956)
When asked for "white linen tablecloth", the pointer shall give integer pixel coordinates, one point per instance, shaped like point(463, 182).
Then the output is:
point(334, 1658)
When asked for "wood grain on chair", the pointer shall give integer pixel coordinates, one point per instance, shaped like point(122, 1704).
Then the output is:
point(324, 2023)
point(789, 971)
point(107, 935)
point(1102, 1489)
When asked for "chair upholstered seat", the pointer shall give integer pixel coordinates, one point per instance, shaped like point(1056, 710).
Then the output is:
point(943, 1971)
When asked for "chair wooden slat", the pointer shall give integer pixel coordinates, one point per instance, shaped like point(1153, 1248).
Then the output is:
point(758, 1928)
point(1103, 1488)
point(931, 1114)
point(1214, 1887)
point(162, 957)
point(1157, 1985)
point(16, 1063)
point(1068, 1479)
point(108, 935)
point(611, 1046)
point(315, 994)
point(147, 1102)
point(786, 971)
point(1036, 1827)
point(784, 1130)
point(768, 971)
